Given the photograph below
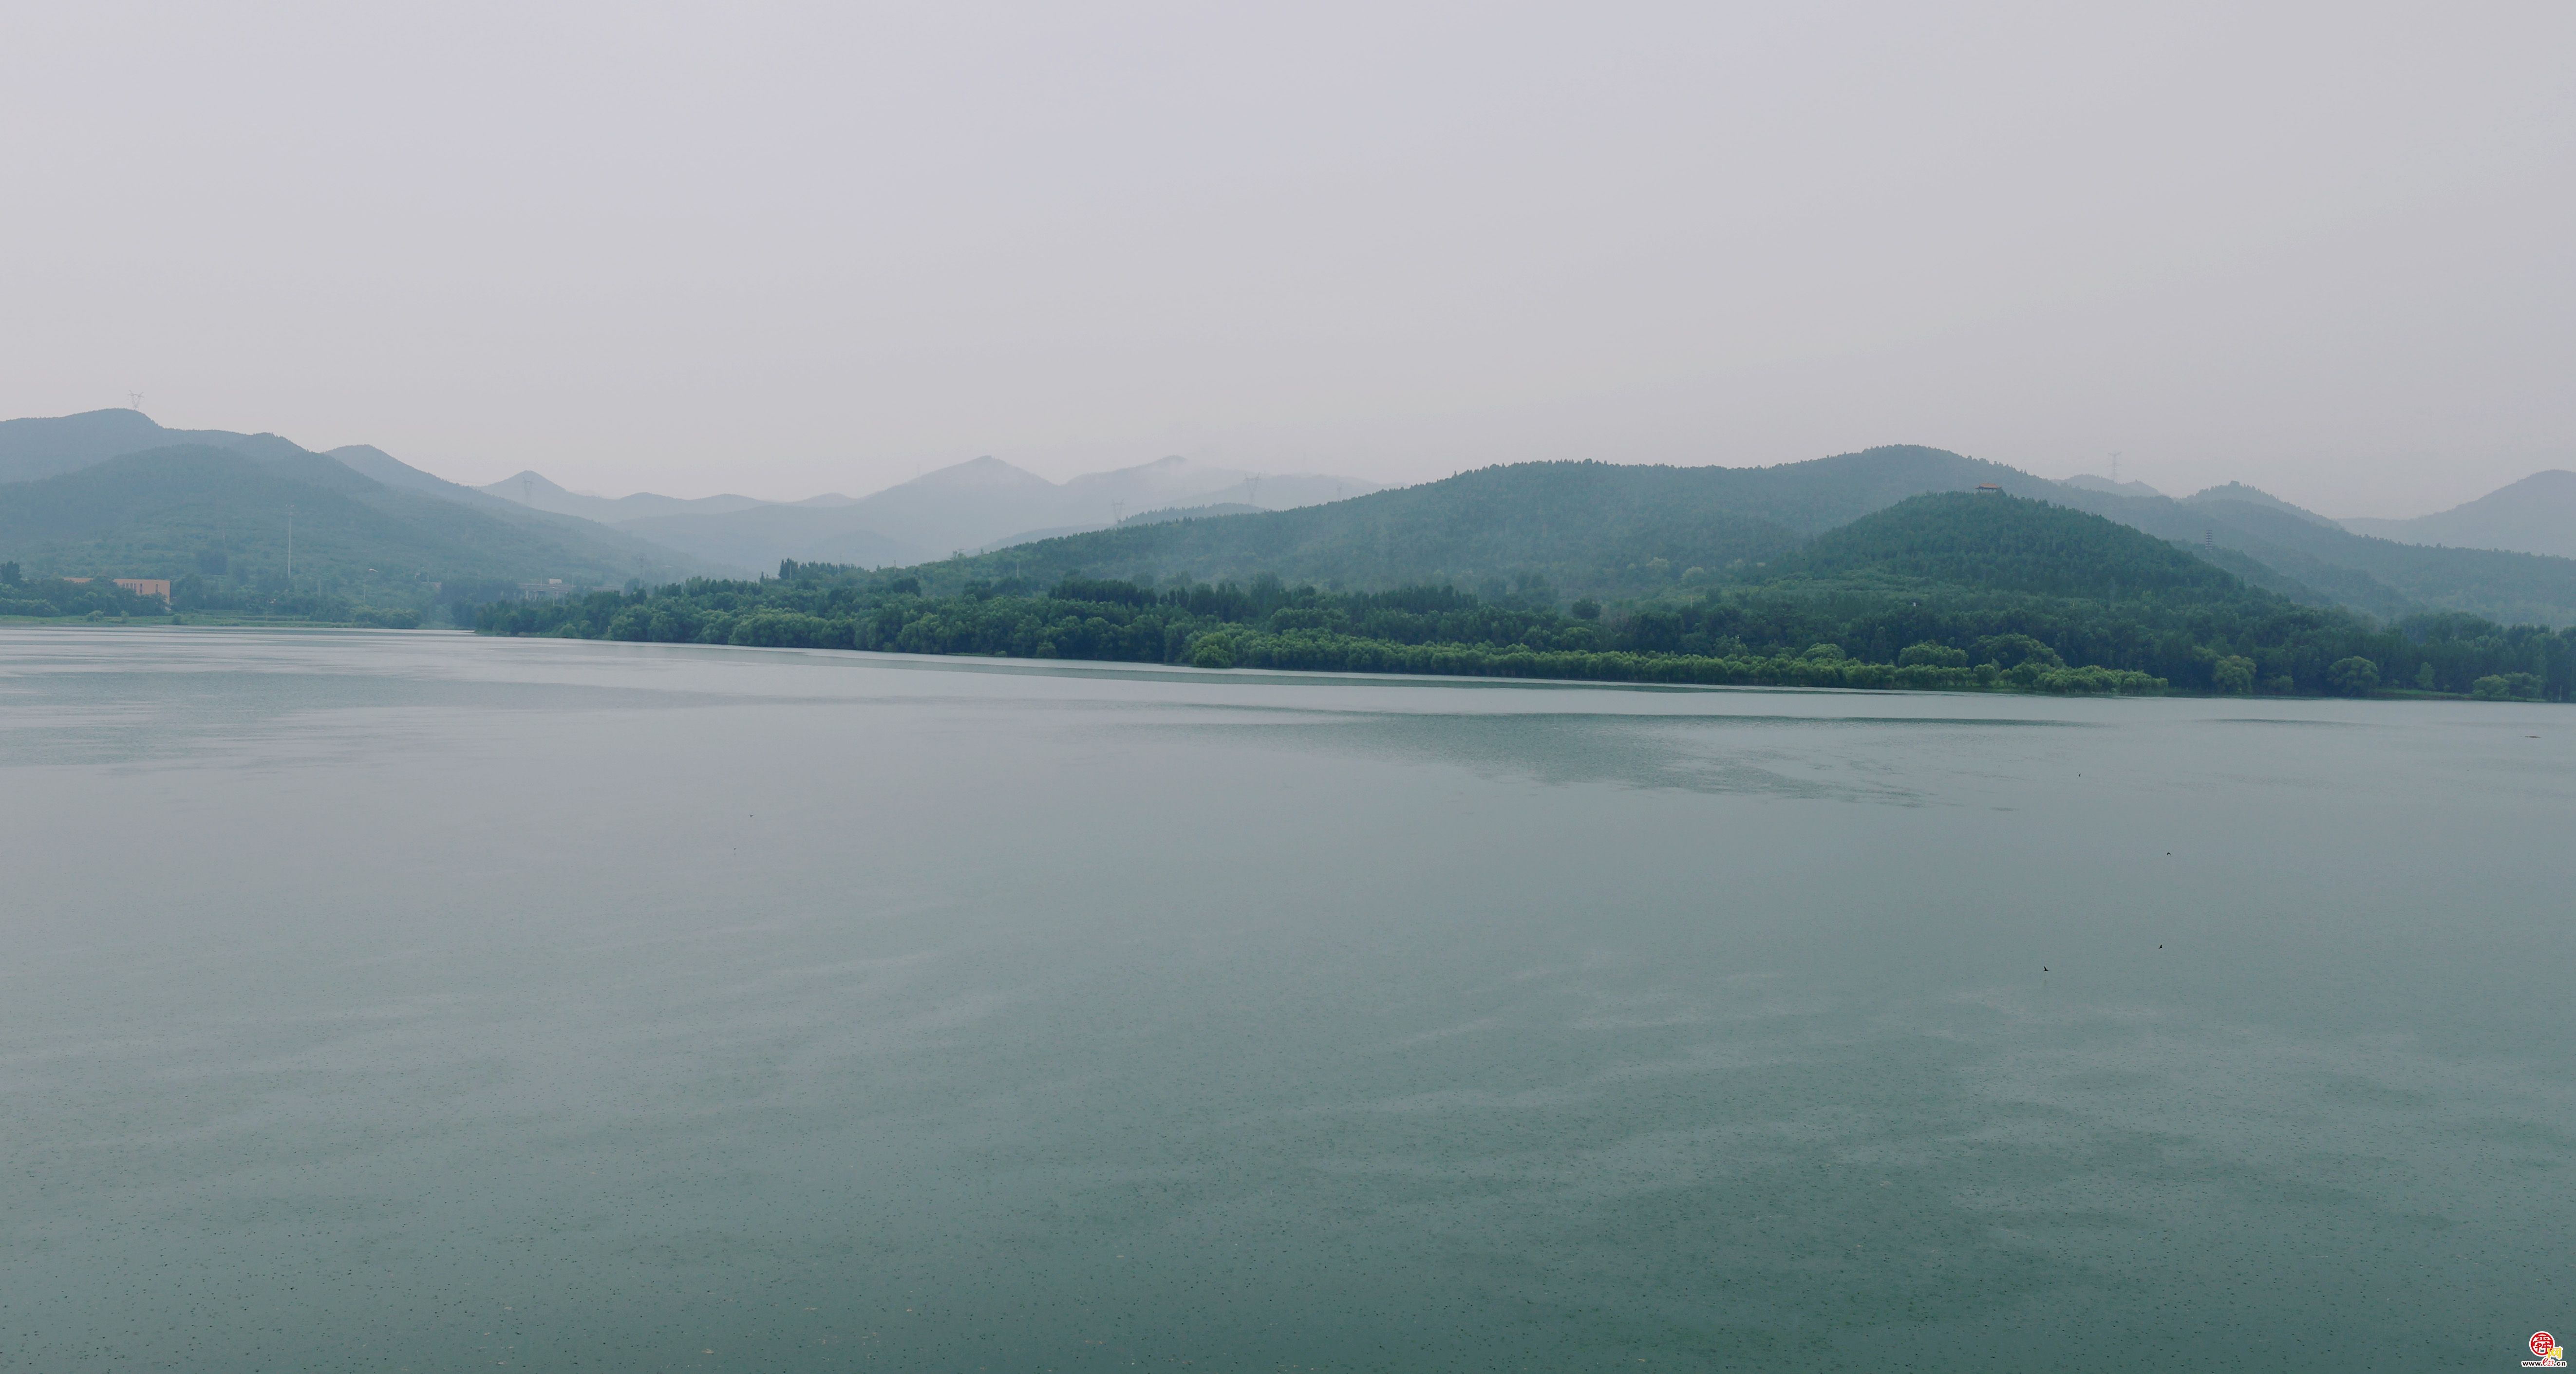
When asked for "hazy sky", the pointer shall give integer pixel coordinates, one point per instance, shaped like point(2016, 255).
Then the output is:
point(779, 249)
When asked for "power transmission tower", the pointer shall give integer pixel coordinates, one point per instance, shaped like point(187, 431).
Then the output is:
point(1117, 512)
point(1252, 490)
point(134, 400)
point(290, 548)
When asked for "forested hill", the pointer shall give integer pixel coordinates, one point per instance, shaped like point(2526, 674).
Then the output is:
point(1941, 591)
point(214, 521)
point(1999, 543)
point(1615, 530)
point(2314, 560)
point(1580, 528)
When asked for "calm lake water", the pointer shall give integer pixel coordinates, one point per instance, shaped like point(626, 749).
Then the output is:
point(419, 1002)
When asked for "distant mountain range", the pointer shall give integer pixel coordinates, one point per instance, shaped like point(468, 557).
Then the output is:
point(111, 492)
point(38, 448)
point(1975, 589)
point(119, 524)
point(530, 489)
point(968, 507)
point(1616, 530)
point(2088, 482)
point(2534, 515)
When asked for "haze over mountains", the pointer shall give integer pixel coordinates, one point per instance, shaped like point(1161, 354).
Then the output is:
point(533, 490)
point(1614, 530)
point(2534, 515)
point(186, 501)
point(111, 492)
point(966, 507)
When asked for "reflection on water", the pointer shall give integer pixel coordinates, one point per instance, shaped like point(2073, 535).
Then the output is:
point(417, 1002)
point(1560, 748)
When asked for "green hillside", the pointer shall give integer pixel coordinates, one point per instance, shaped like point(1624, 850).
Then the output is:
point(1955, 591)
point(2006, 544)
point(2315, 559)
point(216, 522)
point(1577, 529)
point(1618, 531)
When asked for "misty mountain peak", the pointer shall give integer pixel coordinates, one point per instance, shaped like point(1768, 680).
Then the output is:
point(1160, 474)
point(987, 471)
point(2255, 496)
point(44, 446)
point(2087, 481)
point(518, 485)
point(2554, 480)
point(116, 420)
point(2534, 515)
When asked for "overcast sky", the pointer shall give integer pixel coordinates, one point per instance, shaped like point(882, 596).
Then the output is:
point(2328, 249)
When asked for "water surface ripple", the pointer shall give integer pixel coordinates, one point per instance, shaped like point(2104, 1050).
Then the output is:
point(419, 1002)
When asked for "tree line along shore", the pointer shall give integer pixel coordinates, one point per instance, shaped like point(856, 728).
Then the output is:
point(1946, 592)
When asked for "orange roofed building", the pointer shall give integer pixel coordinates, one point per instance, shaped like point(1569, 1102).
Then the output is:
point(140, 586)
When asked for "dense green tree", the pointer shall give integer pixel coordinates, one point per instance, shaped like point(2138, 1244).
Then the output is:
point(2353, 677)
point(2506, 687)
point(1932, 652)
